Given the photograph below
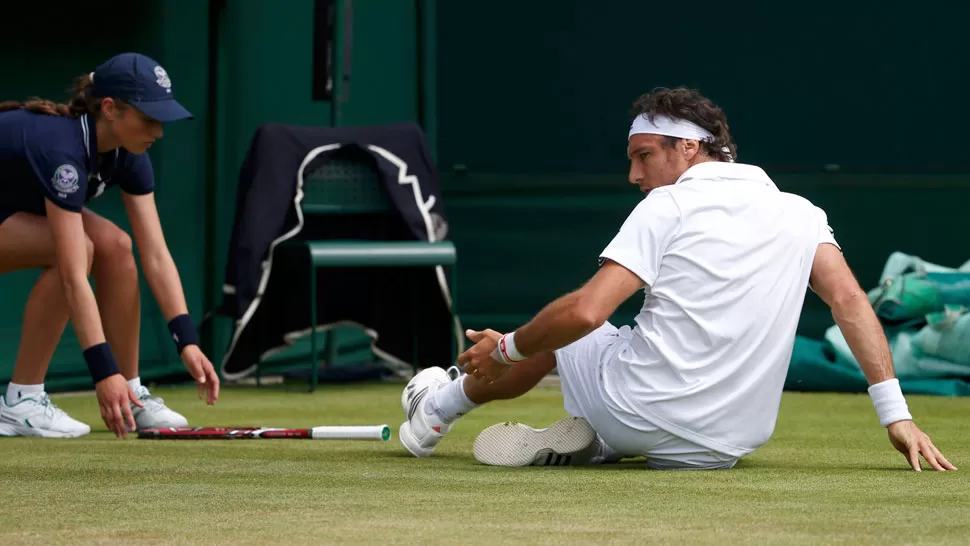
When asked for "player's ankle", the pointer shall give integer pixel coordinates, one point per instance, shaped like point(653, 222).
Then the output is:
point(449, 401)
point(17, 391)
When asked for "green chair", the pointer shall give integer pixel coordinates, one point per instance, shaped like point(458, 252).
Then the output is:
point(344, 186)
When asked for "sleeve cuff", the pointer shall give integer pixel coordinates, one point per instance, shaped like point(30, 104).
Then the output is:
point(633, 264)
point(63, 204)
point(138, 191)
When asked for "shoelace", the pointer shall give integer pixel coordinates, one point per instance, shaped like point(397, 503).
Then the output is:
point(51, 411)
point(454, 372)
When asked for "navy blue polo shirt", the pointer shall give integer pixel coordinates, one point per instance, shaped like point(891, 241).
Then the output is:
point(57, 157)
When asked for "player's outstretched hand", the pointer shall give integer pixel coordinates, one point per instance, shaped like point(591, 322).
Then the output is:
point(114, 393)
point(203, 373)
point(913, 442)
point(477, 360)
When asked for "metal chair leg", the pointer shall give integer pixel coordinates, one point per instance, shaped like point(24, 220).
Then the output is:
point(331, 358)
point(313, 326)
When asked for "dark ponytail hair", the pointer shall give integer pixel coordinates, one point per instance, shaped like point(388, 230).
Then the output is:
point(83, 102)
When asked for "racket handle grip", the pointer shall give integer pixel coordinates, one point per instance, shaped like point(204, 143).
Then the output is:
point(378, 432)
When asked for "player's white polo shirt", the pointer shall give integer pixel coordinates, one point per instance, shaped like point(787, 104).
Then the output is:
point(726, 257)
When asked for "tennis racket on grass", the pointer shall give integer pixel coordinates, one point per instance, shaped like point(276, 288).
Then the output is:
point(378, 432)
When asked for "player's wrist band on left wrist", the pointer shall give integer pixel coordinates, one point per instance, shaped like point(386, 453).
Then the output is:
point(887, 397)
point(183, 332)
point(100, 361)
point(506, 351)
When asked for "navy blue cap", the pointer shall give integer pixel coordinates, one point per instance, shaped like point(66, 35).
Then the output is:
point(141, 82)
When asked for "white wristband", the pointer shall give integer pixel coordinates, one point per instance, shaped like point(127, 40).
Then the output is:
point(890, 404)
point(506, 351)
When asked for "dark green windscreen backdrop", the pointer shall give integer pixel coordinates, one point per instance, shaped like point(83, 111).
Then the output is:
point(857, 106)
point(866, 84)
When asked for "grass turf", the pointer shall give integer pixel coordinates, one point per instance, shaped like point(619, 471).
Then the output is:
point(828, 475)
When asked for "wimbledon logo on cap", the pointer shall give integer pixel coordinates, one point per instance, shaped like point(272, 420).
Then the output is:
point(65, 179)
point(163, 79)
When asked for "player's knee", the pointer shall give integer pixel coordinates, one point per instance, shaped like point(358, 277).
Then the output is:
point(116, 250)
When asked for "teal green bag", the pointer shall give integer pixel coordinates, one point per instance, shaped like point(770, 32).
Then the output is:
point(901, 299)
point(924, 310)
point(916, 295)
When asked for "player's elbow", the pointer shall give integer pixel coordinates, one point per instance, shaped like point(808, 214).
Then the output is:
point(74, 280)
point(585, 314)
point(71, 269)
point(848, 302)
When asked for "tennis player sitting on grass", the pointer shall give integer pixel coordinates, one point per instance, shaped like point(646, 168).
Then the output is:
point(55, 158)
point(724, 259)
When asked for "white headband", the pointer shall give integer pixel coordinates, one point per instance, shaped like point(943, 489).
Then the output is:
point(666, 126)
point(672, 127)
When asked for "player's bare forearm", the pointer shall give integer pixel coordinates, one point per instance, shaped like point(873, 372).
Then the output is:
point(165, 283)
point(834, 282)
point(560, 323)
point(83, 310)
point(159, 267)
point(578, 313)
point(72, 264)
point(865, 336)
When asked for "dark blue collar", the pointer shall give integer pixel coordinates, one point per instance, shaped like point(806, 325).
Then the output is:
point(89, 133)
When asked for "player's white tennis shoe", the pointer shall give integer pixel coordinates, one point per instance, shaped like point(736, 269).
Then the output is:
point(569, 441)
point(422, 431)
point(36, 415)
point(154, 413)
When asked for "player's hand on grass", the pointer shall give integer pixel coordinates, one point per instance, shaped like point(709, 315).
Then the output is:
point(203, 373)
point(114, 394)
point(913, 442)
point(477, 361)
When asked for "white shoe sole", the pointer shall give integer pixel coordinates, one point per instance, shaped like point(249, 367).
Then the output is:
point(410, 443)
point(163, 423)
point(515, 444)
point(15, 430)
point(424, 379)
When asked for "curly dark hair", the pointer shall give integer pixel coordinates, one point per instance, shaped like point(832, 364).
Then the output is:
point(690, 105)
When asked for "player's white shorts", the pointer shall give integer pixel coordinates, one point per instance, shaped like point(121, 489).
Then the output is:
point(580, 367)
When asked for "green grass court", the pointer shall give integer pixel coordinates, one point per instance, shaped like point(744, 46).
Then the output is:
point(828, 476)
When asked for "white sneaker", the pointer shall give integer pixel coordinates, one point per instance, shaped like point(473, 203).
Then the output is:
point(36, 415)
point(569, 441)
point(154, 414)
point(421, 432)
